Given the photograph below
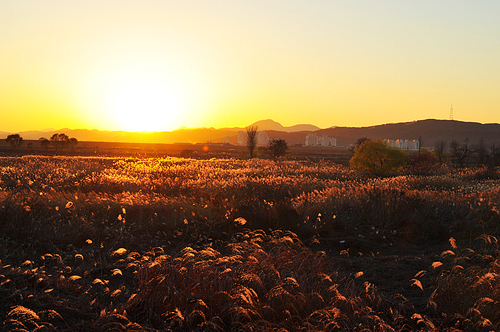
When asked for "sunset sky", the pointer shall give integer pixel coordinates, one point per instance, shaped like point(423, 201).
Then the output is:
point(160, 65)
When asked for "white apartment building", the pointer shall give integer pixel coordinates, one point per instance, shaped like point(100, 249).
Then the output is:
point(412, 145)
point(323, 140)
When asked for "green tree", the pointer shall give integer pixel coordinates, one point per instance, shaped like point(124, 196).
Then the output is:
point(359, 141)
point(251, 140)
point(378, 158)
point(15, 140)
point(277, 147)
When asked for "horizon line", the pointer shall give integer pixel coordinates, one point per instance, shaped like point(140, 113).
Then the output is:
point(50, 130)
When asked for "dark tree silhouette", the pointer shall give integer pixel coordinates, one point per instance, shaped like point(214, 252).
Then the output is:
point(251, 140)
point(494, 155)
point(422, 163)
point(44, 143)
point(461, 151)
point(420, 143)
point(277, 147)
point(54, 140)
point(59, 141)
point(73, 142)
point(15, 140)
point(481, 151)
point(439, 149)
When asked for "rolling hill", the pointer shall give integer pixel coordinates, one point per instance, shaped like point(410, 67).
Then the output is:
point(430, 130)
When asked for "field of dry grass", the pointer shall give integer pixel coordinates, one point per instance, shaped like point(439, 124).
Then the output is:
point(129, 244)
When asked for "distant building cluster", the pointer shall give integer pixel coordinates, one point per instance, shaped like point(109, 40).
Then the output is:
point(262, 138)
point(412, 145)
point(323, 140)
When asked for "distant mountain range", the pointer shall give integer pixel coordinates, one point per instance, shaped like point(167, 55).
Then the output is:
point(430, 130)
point(269, 124)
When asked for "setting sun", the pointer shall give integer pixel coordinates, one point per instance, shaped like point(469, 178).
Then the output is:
point(144, 105)
point(162, 65)
point(259, 165)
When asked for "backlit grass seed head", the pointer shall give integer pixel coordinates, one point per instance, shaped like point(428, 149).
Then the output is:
point(119, 252)
point(253, 281)
point(240, 221)
point(290, 284)
point(116, 273)
point(196, 318)
point(200, 305)
point(24, 315)
point(245, 296)
point(239, 314)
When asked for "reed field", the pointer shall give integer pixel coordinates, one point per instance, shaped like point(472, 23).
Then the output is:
point(173, 244)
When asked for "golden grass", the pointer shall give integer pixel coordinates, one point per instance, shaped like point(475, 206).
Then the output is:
point(171, 243)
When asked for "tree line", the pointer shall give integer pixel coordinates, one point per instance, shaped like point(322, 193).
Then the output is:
point(58, 141)
point(378, 158)
point(374, 156)
point(480, 153)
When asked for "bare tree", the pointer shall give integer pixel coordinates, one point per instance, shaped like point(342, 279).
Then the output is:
point(251, 140)
point(481, 151)
point(461, 151)
point(420, 143)
point(494, 155)
point(439, 148)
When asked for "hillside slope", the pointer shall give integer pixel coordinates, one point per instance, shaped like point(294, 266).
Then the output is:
point(430, 130)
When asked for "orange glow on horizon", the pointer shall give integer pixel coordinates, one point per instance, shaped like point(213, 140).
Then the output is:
point(159, 66)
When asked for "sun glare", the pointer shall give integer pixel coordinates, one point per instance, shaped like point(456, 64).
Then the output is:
point(144, 105)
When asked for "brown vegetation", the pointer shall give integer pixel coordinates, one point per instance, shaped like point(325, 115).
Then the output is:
point(101, 244)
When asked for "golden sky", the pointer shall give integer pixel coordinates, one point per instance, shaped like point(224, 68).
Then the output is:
point(159, 65)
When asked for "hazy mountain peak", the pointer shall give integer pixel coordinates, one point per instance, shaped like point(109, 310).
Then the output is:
point(273, 125)
point(268, 124)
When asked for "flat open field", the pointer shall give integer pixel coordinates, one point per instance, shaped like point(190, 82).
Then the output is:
point(172, 244)
point(149, 150)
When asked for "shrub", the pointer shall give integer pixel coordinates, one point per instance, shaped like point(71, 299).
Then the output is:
point(378, 158)
point(423, 163)
point(277, 148)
